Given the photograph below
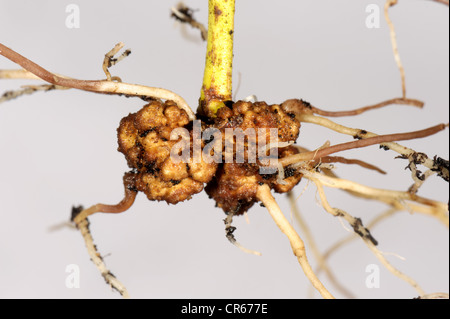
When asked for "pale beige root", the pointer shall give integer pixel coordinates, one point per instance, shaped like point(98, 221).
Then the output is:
point(445, 2)
point(406, 152)
point(229, 230)
point(335, 247)
point(96, 258)
point(309, 239)
point(97, 86)
point(21, 74)
point(60, 226)
point(80, 219)
point(418, 177)
point(17, 74)
point(398, 199)
point(265, 196)
point(388, 4)
point(110, 60)
point(339, 244)
point(365, 235)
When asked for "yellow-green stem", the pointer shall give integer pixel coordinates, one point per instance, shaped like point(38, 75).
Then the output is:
point(217, 86)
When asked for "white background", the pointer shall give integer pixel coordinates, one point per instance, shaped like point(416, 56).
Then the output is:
point(58, 149)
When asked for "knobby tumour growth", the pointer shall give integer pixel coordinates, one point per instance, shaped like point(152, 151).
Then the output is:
point(145, 140)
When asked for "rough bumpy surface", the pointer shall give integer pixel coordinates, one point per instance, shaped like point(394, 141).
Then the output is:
point(144, 139)
point(235, 185)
